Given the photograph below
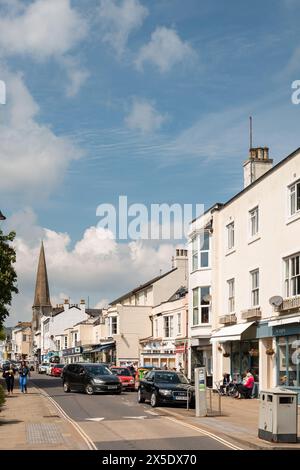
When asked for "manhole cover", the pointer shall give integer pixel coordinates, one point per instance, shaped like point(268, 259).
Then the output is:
point(43, 434)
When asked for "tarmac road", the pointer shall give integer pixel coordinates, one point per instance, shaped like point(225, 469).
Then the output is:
point(118, 422)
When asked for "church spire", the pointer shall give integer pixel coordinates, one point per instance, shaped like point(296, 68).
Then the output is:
point(42, 294)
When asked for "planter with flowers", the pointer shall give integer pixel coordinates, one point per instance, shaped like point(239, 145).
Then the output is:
point(270, 351)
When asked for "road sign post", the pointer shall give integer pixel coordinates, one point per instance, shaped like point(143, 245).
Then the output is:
point(200, 391)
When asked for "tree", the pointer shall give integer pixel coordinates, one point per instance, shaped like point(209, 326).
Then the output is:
point(8, 276)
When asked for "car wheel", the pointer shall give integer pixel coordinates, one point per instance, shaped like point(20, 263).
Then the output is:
point(66, 387)
point(140, 397)
point(89, 389)
point(153, 400)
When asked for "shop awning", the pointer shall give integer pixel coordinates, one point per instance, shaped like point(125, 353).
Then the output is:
point(103, 347)
point(284, 321)
point(230, 333)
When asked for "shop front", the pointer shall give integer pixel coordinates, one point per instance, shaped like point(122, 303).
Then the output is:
point(181, 356)
point(102, 352)
point(236, 349)
point(158, 353)
point(201, 356)
point(72, 355)
point(287, 336)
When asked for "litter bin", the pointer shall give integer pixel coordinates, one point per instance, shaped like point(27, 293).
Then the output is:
point(278, 415)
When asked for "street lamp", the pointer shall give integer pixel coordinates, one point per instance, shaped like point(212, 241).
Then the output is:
point(2, 217)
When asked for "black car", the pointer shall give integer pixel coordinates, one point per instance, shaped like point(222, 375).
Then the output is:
point(90, 378)
point(163, 386)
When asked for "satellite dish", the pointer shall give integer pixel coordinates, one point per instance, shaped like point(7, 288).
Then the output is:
point(276, 301)
point(207, 298)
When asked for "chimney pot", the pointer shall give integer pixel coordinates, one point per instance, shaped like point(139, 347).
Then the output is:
point(66, 301)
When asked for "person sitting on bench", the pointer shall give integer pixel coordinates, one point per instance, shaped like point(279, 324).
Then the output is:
point(245, 389)
point(225, 384)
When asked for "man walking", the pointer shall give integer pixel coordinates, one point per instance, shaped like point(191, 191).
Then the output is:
point(23, 374)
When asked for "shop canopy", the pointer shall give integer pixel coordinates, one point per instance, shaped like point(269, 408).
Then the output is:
point(103, 347)
point(230, 333)
point(284, 321)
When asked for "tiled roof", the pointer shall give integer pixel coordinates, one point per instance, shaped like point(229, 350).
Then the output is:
point(141, 287)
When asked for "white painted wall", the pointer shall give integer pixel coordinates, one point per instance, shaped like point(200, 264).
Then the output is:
point(278, 237)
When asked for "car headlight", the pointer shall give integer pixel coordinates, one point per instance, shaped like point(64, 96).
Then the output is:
point(98, 381)
point(166, 393)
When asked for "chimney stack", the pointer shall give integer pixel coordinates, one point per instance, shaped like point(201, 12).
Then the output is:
point(258, 164)
point(181, 258)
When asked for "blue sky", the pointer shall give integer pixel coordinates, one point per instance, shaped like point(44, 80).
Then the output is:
point(149, 99)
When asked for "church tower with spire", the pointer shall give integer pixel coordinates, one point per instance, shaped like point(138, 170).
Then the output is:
point(42, 304)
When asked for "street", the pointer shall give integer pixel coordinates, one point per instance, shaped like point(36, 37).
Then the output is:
point(115, 422)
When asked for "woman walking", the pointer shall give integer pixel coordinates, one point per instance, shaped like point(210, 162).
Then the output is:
point(23, 374)
point(9, 376)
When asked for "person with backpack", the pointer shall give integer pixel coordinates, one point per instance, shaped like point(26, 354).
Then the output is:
point(24, 373)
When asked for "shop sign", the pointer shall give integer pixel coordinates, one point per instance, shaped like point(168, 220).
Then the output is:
point(286, 330)
point(72, 351)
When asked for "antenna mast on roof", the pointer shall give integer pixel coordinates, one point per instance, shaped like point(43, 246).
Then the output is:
point(251, 132)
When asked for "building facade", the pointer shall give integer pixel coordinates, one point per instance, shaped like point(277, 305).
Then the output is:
point(21, 341)
point(167, 346)
point(255, 291)
point(128, 317)
point(200, 248)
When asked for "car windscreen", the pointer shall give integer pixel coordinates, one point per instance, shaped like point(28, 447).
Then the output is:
point(170, 378)
point(122, 372)
point(98, 370)
point(59, 366)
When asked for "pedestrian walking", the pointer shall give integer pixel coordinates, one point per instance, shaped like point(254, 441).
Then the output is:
point(9, 376)
point(24, 373)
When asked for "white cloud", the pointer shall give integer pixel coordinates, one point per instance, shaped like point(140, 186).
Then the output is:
point(33, 158)
point(119, 19)
point(164, 50)
point(76, 74)
point(96, 266)
point(43, 29)
point(144, 117)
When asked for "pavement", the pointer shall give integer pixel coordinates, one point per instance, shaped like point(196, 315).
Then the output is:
point(238, 421)
point(31, 422)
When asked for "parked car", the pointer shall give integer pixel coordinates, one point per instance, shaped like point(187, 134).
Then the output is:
point(56, 370)
point(90, 378)
point(163, 386)
point(125, 377)
point(140, 374)
point(49, 368)
point(42, 369)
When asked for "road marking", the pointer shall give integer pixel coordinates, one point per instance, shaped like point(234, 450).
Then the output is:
point(94, 419)
point(84, 436)
point(134, 417)
point(205, 433)
point(151, 413)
